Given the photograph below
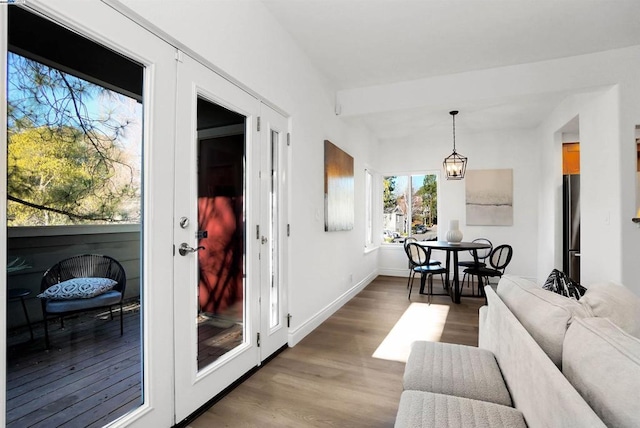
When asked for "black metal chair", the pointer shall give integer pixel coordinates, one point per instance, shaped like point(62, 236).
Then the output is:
point(421, 257)
point(83, 266)
point(499, 260)
point(483, 254)
point(408, 241)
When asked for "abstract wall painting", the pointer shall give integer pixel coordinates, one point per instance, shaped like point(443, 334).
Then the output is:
point(339, 205)
point(489, 197)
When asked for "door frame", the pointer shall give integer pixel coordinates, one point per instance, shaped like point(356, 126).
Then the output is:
point(104, 25)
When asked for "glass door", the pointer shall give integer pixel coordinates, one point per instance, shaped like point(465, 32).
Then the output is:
point(216, 281)
point(85, 169)
point(274, 144)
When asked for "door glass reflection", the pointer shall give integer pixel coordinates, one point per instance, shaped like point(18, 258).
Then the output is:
point(221, 264)
point(273, 258)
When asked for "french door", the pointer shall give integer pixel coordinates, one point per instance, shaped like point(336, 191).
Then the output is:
point(274, 144)
point(229, 297)
point(149, 270)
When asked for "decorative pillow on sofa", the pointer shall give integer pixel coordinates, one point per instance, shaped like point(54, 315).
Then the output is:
point(616, 302)
point(78, 288)
point(560, 283)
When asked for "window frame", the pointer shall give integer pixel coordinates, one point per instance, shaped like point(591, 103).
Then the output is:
point(409, 174)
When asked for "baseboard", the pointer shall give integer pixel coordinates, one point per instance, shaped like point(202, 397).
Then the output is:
point(297, 334)
point(394, 272)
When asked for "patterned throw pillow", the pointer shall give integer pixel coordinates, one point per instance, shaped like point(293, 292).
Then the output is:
point(78, 288)
point(560, 283)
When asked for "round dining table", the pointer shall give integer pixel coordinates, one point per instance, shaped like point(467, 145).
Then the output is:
point(455, 248)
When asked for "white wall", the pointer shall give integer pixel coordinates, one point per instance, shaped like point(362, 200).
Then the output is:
point(245, 42)
point(610, 243)
point(510, 149)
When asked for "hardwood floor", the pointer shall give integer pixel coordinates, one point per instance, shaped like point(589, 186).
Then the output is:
point(330, 378)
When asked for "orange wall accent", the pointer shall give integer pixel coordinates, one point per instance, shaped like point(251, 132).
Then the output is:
point(570, 158)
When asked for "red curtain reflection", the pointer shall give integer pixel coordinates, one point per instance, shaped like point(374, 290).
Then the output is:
point(221, 261)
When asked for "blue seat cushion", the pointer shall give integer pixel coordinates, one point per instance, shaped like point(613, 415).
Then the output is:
point(111, 297)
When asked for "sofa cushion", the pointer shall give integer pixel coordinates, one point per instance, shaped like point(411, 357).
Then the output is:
point(463, 371)
point(618, 303)
point(545, 315)
point(427, 409)
point(603, 363)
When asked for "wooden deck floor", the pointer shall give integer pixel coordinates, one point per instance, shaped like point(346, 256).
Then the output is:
point(90, 376)
point(331, 379)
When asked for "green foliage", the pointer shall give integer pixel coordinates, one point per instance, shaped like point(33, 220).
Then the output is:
point(55, 177)
point(429, 194)
point(65, 160)
point(388, 196)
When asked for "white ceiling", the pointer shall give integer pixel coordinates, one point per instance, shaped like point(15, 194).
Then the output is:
point(359, 43)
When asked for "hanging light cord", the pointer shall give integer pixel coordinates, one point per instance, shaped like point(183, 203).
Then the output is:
point(453, 115)
point(454, 132)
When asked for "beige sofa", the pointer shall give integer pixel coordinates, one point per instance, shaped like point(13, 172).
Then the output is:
point(543, 360)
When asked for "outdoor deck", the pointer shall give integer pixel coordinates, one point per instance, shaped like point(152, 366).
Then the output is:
point(89, 377)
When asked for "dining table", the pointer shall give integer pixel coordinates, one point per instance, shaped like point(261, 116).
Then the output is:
point(455, 248)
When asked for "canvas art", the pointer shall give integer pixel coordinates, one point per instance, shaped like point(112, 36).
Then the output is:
point(489, 197)
point(339, 197)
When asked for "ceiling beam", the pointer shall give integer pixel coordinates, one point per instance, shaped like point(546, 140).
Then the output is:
point(566, 75)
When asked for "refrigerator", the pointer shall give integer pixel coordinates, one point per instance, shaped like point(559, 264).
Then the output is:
point(571, 226)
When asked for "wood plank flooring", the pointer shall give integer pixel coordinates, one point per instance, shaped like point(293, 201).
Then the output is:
point(89, 377)
point(330, 378)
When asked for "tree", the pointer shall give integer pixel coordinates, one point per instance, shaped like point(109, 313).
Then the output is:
point(429, 194)
point(389, 198)
point(54, 177)
point(66, 160)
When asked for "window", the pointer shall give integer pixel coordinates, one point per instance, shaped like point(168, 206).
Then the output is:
point(368, 192)
point(410, 207)
point(74, 119)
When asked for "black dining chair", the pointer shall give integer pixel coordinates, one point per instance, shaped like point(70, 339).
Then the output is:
point(408, 241)
point(421, 257)
point(483, 254)
point(499, 260)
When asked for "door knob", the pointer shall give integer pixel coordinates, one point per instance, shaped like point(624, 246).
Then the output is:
point(185, 249)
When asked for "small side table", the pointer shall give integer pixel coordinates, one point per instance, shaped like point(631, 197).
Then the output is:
point(21, 293)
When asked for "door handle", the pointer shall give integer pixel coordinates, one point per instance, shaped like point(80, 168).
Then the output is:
point(185, 249)
point(264, 239)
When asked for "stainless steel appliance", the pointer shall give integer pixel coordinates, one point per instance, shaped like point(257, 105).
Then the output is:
point(571, 226)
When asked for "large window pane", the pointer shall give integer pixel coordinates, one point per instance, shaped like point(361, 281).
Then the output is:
point(74, 115)
point(410, 207)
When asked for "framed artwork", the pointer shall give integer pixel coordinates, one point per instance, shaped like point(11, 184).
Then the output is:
point(489, 197)
point(339, 205)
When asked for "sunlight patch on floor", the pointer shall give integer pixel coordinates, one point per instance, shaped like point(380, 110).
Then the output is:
point(420, 321)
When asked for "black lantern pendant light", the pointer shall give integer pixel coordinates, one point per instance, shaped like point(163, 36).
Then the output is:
point(454, 165)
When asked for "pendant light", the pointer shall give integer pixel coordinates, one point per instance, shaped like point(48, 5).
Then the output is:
point(454, 165)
